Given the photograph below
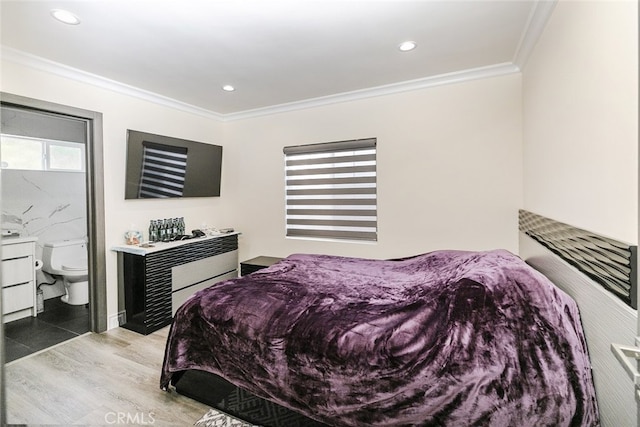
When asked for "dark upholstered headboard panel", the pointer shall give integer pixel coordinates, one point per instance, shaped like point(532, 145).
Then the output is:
point(610, 263)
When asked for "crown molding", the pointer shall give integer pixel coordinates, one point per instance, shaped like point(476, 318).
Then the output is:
point(411, 85)
point(39, 63)
point(538, 19)
point(56, 68)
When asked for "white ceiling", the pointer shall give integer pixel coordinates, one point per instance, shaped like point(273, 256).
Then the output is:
point(278, 54)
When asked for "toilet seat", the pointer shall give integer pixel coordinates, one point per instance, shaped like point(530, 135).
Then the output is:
point(74, 269)
point(74, 266)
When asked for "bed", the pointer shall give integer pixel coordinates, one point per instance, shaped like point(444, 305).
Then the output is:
point(600, 274)
point(442, 338)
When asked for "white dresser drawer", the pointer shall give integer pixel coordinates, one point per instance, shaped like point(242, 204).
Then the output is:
point(17, 270)
point(185, 275)
point(17, 297)
point(179, 297)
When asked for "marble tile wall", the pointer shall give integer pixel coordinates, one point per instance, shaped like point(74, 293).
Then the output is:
point(48, 205)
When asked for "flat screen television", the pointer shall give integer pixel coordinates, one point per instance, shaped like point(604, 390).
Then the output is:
point(165, 167)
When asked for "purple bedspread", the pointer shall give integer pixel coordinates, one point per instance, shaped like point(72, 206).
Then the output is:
point(447, 338)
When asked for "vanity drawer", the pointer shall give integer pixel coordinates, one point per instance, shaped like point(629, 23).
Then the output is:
point(17, 297)
point(17, 250)
point(17, 270)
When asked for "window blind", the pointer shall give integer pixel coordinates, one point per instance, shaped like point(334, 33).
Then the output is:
point(19, 121)
point(331, 190)
point(163, 170)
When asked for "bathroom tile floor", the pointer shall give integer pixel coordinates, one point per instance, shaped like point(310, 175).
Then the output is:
point(57, 323)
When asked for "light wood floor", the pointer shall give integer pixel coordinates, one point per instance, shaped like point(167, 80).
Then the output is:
point(97, 379)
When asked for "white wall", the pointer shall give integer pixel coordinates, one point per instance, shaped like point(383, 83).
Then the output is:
point(120, 113)
point(449, 169)
point(580, 103)
point(449, 165)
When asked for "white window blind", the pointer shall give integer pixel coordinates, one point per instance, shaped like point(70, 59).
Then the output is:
point(164, 168)
point(331, 190)
point(39, 140)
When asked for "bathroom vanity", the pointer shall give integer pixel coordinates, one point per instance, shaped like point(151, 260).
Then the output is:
point(18, 278)
point(154, 281)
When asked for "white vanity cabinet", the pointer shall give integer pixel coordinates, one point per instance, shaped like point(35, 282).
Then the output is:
point(18, 278)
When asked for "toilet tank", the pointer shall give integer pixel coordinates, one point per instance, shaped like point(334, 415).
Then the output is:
point(55, 254)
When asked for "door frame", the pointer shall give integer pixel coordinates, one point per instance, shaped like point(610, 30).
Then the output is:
point(95, 199)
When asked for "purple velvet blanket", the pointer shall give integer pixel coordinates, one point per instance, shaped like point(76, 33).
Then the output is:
point(447, 338)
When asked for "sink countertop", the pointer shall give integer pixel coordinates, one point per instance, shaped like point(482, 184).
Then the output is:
point(8, 240)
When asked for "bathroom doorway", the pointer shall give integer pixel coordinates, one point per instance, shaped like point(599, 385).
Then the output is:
point(70, 140)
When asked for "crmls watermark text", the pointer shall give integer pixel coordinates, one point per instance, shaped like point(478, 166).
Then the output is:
point(139, 418)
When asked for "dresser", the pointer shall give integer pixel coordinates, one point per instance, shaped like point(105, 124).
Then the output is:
point(18, 278)
point(154, 281)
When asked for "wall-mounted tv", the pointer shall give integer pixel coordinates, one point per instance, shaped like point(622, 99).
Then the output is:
point(165, 167)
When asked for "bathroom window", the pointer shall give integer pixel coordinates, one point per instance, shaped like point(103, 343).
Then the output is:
point(18, 152)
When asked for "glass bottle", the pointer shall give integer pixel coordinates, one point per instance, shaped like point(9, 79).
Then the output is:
point(175, 230)
point(153, 231)
point(163, 231)
point(169, 229)
point(156, 231)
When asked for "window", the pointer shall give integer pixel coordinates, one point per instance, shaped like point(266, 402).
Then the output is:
point(331, 190)
point(19, 152)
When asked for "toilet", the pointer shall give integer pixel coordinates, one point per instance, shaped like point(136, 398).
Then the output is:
point(68, 259)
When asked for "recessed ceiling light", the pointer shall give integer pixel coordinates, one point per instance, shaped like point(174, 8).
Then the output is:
point(228, 88)
point(407, 46)
point(65, 16)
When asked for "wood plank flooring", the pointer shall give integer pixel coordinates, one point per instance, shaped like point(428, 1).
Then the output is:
point(97, 379)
